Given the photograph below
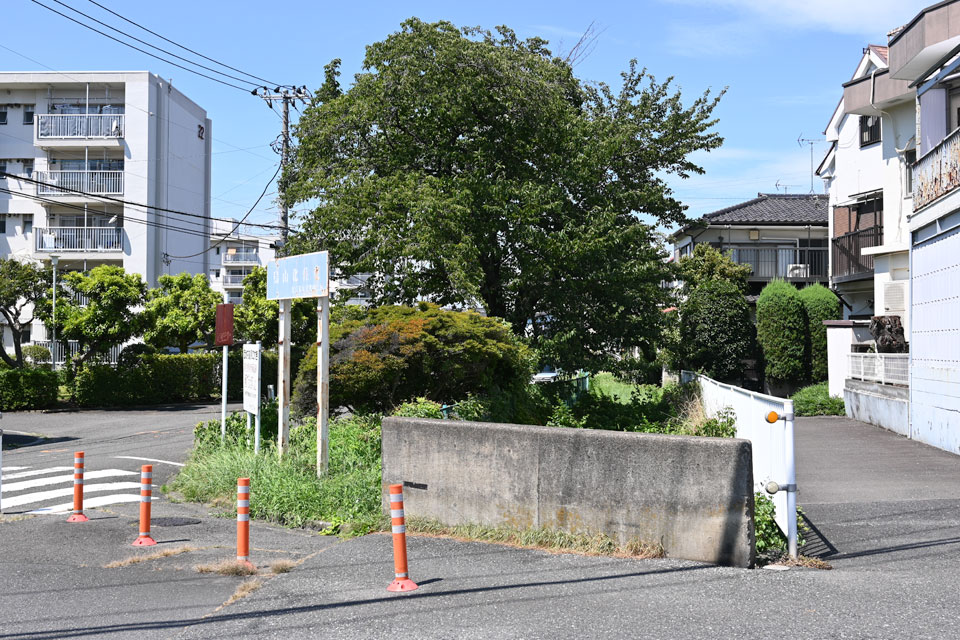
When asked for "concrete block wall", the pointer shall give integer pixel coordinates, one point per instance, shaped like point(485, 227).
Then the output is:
point(692, 495)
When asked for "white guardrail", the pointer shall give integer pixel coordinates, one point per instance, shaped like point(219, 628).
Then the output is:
point(885, 368)
point(773, 457)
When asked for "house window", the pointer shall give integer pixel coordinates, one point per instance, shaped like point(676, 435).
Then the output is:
point(3, 224)
point(27, 224)
point(3, 166)
point(3, 115)
point(869, 130)
point(28, 114)
point(909, 159)
point(25, 334)
point(28, 168)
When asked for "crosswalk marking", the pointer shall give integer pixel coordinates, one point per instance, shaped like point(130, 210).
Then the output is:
point(40, 496)
point(101, 501)
point(14, 469)
point(44, 482)
point(35, 472)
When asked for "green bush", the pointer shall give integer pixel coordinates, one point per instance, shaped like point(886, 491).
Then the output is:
point(820, 304)
point(268, 371)
point(768, 535)
point(393, 354)
point(815, 400)
point(782, 331)
point(716, 333)
point(28, 388)
point(131, 355)
point(420, 408)
point(36, 354)
point(154, 379)
point(206, 435)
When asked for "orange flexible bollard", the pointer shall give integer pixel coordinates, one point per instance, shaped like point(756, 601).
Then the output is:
point(146, 496)
point(78, 489)
point(243, 520)
point(402, 581)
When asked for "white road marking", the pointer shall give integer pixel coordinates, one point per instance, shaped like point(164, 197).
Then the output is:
point(35, 472)
point(42, 482)
point(176, 464)
point(101, 501)
point(40, 496)
point(15, 469)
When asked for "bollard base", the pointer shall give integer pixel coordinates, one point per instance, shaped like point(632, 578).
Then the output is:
point(246, 562)
point(77, 517)
point(144, 541)
point(402, 584)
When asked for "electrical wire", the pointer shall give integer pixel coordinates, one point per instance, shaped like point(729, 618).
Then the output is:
point(127, 44)
point(183, 47)
point(111, 200)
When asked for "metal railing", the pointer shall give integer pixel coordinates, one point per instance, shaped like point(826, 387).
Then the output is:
point(67, 183)
point(848, 261)
point(82, 239)
point(773, 458)
point(885, 368)
point(241, 257)
point(234, 280)
point(789, 263)
point(59, 354)
point(937, 173)
point(79, 125)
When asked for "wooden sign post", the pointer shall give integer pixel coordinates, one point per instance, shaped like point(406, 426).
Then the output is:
point(223, 337)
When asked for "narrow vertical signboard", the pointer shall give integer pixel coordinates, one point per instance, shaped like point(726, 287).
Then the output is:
point(251, 389)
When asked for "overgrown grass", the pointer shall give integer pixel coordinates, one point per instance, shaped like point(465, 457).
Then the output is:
point(539, 538)
point(815, 400)
point(609, 385)
point(228, 568)
point(286, 490)
point(156, 555)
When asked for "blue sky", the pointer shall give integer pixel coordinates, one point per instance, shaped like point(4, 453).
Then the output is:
point(783, 62)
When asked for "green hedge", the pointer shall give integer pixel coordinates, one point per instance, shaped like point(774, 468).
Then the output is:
point(28, 388)
point(820, 304)
point(716, 333)
point(268, 370)
point(153, 379)
point(782, 332)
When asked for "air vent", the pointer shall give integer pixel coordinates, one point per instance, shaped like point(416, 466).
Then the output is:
point(895, 297)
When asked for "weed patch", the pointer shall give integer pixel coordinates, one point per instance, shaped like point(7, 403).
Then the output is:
point(282, 566)
point(228, 568)
point(156, 555)
point(815, 400)
point(245, 589)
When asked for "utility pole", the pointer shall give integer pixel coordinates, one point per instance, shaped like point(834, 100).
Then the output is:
point(286, 96)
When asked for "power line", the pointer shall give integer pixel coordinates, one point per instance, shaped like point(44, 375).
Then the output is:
point(127, 44)
point(152, 46)
point(110, 199)
point(181, 46)
point(219, 242)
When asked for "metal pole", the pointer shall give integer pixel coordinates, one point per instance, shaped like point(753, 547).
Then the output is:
point(53, 321)
point(283, 163)
point(791, 479)
point(283, 379)
point(323, 385)
point(249, 425)
point(1, 468)
point(256, 426)
point(223, 400)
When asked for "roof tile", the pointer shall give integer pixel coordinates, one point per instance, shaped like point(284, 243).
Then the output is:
point(775, 208)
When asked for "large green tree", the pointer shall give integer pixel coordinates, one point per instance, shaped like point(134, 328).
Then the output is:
point(474, 168)
point(258, 318)
point(707, 263)
point(180, 311)
point(23, 285)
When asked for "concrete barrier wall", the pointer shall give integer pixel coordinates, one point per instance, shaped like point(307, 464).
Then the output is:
point(883, 405)
point(693, 495)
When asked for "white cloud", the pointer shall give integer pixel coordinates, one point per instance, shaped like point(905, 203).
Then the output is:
point(870, 18)
point(697, 40)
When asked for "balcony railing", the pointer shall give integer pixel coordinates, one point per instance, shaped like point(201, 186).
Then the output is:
point(79, 239)
point(241, 257)
point(848, 262)
point(937, 173)
point(68, 183)
point(885, 368)
point(782, 262)
point(79, 125)
point(233, 280)
point(59, 354)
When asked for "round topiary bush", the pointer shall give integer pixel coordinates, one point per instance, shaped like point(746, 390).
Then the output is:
point(782, 332)
point(820, 304)
point(716, 333)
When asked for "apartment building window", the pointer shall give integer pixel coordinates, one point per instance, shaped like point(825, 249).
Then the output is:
point(27, 224)
point(25, 335)
point(28, 168)
point(3, 167)
point(3, 114)
point(28, 113)
point(909, 159)
point(3, 224)
point(869, 130)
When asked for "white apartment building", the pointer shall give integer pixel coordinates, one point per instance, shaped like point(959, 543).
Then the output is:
point(109, 168)
point(233, 256)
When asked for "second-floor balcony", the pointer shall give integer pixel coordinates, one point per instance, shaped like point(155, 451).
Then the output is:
point(230, 280)
point(78, 183)
point(848, 261)
point(788, 263)
point(60, 126)
point(937, 173)
point(241, 257)
point(79, 239)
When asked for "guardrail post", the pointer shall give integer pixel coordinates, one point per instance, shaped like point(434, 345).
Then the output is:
point(791, 479)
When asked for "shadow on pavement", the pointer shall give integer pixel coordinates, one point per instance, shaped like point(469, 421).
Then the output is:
point(20, 441)
point(817, 545)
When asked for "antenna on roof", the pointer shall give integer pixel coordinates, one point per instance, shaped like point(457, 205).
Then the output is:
point(809, 141)
point(785, 187)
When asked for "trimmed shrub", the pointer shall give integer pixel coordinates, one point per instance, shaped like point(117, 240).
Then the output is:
point(131, 355)
point(716, 333)
point(36, 354)
point(815, 400)
point(268, 371)
point(28, 388)
point(155, 379)
point(420, 408)
point(782, 331)
point(393, 354)
point(820, 304)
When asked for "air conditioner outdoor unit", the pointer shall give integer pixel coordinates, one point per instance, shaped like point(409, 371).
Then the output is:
point(798, 271)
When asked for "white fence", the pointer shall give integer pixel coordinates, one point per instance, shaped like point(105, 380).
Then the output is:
point(885, 368)
point(96, 239)
point(772, 443)
point(109, 357)
point(68, 183)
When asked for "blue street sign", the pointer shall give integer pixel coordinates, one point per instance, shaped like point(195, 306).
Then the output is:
point(303, 276)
